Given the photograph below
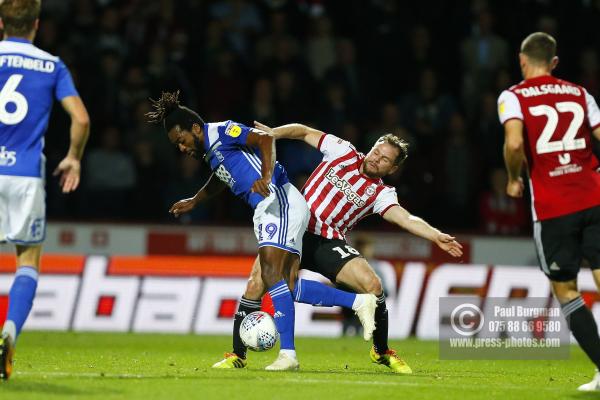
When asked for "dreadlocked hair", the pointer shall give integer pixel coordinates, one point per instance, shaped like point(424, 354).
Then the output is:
point(163, 106)
point(170, 112)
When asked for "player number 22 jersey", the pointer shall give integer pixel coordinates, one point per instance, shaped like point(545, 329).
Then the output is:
point(558, 117)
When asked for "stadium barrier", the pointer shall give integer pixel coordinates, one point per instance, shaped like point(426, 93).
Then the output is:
point(186, 294)
point(137, 240)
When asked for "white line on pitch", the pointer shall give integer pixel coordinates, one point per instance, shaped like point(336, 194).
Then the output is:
point(404, 383)
point(86, 374)
point(399, 382)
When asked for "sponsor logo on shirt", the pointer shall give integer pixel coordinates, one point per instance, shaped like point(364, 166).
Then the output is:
point(564, 159)
point(7, 158)
point(218, 155)
point(565, 166)
point(233, 130)
point(225, 176)
point(345, 187)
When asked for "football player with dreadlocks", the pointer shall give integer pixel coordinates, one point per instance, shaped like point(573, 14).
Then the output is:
point(243, 159)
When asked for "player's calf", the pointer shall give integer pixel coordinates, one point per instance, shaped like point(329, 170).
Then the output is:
point(583, 326)
point(245, 307)
point(317, 293)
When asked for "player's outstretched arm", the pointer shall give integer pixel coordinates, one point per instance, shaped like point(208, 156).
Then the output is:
point(417, 226)
point(293, 131)
point(69, 168)
point(211, 188)
point(514, 156)
point(265, 142)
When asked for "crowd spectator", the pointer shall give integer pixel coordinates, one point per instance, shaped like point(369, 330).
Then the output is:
point(500, 214)
point(109, 177)
point(355, 69)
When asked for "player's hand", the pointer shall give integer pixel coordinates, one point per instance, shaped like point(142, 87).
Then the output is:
point(183, 206)
point(69, 170)
point(514, 188)
point(262, 127)
point(261, 186)
point(449, 244)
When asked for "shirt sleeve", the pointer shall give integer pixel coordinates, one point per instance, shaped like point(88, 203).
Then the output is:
point(234, 133)
point(386, 199)
point(64, 83)
point(333, 147)
point(593, 111)
point(509, 107)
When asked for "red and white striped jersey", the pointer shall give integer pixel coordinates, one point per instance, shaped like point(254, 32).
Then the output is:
point(338, 195)
point(558, 119)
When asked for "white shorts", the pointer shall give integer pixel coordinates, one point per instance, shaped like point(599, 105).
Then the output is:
point(22, 209)
point(281, 219)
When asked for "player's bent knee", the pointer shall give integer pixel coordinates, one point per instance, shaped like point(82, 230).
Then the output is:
point(374, 286)
point(270, 274)
point(567, 296)
point(255, 289)
point(271, 265)
point(565, 291)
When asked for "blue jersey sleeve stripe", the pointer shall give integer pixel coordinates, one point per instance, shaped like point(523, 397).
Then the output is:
point(212, 134)
point(251, 162)
point(255, 157)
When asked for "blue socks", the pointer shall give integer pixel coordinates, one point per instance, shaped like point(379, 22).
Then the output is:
point(284, 313)
point(305, 291)
point(20, 300)
point(319, 294)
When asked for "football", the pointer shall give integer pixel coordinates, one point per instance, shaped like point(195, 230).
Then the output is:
point(258, 331)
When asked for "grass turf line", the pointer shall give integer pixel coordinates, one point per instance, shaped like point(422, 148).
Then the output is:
point(139, 366)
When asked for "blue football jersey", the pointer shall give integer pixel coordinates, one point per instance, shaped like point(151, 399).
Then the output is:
point(234, 162)
point(30, 80)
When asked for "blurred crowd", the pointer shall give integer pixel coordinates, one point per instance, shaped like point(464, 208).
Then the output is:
point(427, 71)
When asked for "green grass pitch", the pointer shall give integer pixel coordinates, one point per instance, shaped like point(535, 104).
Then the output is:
point(134, 366)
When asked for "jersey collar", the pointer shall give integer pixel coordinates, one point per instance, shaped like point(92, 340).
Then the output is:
point(540, 78)
point(17, 39)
